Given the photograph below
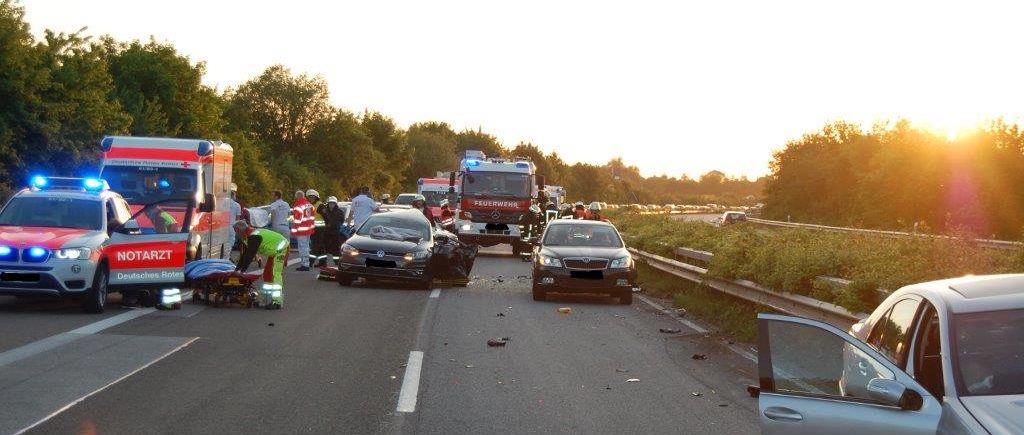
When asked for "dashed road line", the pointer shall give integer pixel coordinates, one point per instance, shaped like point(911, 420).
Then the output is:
point(410, 383)
point(435, 293)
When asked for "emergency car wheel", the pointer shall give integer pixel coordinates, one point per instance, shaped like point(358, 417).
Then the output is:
point(96, 297)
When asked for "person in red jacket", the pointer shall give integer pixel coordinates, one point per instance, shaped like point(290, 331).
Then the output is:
point(303, 222)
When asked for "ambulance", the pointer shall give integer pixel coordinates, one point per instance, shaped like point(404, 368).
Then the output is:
point(434, 190)
point(74, 237)
point(147, 171)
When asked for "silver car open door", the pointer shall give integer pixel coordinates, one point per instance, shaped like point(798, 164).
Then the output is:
point(805, 384)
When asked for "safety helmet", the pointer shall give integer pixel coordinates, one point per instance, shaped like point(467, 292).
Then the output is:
point(443, 203)
point(534, 209)
point(234, 187)
point(385, 196)
point(333, 199)
point(595, 207)
point(312, 192)
point(578, 203)
point(419, 198)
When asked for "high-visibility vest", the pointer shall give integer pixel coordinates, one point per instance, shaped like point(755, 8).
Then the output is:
point(302, 218)
point(272, 242)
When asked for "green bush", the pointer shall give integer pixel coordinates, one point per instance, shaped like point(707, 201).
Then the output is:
point(791, 259)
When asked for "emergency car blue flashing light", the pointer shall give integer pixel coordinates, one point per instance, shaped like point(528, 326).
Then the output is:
point(5, 251)
point(205, 148)
point(36, 252)
point(39, 181)
point(164, 184)
point(106, 144)
point(522, 165)
point(472, 163)
point(92, 184)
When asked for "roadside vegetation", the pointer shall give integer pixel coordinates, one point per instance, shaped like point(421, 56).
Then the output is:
point(791, 259)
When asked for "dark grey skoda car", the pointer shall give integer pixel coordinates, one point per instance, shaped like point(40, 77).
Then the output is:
point(395, 245)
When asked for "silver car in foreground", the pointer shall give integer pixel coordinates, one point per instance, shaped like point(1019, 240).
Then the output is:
point(939, 357)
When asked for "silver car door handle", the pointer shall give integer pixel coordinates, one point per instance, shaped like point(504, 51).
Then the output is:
point(783, 414)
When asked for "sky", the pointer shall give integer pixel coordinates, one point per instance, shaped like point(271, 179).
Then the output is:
point(673, 87)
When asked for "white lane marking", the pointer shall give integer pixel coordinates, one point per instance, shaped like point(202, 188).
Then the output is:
point(436, 293)
point(81, 399)
point(294, 261)
point(688, 323)
point(410, 383)
point(55, 341)
point(93, 328)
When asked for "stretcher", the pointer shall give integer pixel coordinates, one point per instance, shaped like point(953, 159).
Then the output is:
point(220, 288)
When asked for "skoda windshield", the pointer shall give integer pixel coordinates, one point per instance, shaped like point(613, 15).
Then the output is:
point(509, 184)
point(53, 212)
point(593, 236)
point(147, 184)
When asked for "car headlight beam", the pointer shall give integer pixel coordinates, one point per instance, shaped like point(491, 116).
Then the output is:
point(348, 250)
point(621, 263)
point(72, 253)
point(550, 261)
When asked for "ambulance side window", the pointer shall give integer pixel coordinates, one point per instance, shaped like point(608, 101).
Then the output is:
point(111, 215)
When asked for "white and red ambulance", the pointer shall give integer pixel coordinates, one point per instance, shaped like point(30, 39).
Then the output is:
point(74, 237)
point(145, 170)
point(435, 190)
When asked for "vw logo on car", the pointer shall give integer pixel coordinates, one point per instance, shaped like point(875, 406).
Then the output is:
point(380, 254)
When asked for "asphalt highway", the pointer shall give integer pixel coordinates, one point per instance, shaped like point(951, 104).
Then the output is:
point(371, 358)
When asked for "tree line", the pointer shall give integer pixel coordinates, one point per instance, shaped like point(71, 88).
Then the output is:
point(901, 176)
point(63, 93)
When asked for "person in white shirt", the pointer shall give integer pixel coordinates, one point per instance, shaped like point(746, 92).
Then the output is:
point(234, 215)
point(280, 211)
point(363, 206)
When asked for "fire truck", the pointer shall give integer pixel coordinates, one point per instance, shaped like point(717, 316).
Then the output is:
point(147, 171)
point(496, 195)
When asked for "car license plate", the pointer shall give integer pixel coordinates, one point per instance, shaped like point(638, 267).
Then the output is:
point(233, 281)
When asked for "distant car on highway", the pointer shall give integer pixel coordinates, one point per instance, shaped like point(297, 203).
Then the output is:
point(939, 357)
point(405, 198)
point(577, 256)
point(732, 217)
point(389, 246)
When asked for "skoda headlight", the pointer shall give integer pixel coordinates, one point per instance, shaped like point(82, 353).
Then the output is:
point(621, 263)
point(72, 253)
point(550, 261)
point(348, 250)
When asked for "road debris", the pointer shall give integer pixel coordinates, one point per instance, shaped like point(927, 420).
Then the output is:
point(621, 371)
point(565, 310)
point(496, 343)
point(696, 394)
point(270, 324)
point(637, 289)
point(607, 387)
point(469, 366)
point(699, 356)
point(501, 315)
point(392, 377)
point(723, 405)
point(632, 380)
point(669, 330)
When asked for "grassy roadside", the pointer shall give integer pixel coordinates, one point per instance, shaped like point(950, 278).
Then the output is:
point(734, 317)
point(790, 259)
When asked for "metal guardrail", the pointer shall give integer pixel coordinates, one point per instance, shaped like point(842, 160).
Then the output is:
point(797, 305)
point(988, 243)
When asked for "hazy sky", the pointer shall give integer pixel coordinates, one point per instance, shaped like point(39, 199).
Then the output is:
point(673, 87)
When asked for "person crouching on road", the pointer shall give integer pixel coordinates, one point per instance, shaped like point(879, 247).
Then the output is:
point(334, 217)
point(275, 247)
point(302, 227)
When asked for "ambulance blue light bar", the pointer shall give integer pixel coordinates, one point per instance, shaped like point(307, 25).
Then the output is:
point(522, 165)
point(89, 184)
point(93, 184)
point(472, 163)
point(39, 182)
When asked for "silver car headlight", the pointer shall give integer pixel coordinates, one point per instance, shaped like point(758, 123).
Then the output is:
point(621, 263)
point(72, 253)
point(549, 261)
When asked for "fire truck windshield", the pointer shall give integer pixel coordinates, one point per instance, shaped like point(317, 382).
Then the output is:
point(496, 184)
point(146, 185)
point(54, 212)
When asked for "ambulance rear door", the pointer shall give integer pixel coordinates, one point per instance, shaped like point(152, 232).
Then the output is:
point(152, 246)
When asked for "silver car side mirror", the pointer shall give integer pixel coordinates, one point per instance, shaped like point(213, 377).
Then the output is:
point(893, 393)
